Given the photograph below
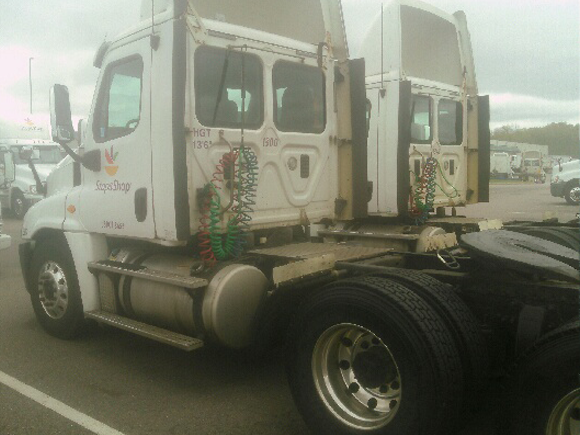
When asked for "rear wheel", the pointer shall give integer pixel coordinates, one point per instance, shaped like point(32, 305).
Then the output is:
point(548, 394)
point(370, 357)
point(55, 293)
point(460, 322)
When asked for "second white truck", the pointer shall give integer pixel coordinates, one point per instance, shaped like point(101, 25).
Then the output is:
point(18, 186)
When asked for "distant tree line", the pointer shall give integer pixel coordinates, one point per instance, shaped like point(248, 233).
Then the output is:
point(562, 138)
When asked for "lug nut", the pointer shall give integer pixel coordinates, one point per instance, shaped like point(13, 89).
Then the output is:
point(383, 389)
point(372, 403)
point(346, 341)
point(395, 385)
point(344, 365)
point(353, 388)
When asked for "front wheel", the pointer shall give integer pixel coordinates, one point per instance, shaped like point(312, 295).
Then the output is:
point(54, 292)
point(548, 393)
point(370, 357)
point(18, 204)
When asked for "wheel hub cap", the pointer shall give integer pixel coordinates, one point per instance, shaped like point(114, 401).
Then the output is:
point(53, 290)
point(575, 194)
point(565, 417)
point(356, 376)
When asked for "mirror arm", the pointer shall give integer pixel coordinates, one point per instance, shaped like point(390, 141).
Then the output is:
point(91, 160)
point(39, 187)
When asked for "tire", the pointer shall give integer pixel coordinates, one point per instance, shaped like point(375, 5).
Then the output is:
point(18, 205)
point(368, 356)
point(572, 194)
point(460, 322)
point(547, 396)
point(55, 293)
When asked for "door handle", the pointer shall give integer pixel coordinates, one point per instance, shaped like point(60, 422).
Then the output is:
point(141, 204)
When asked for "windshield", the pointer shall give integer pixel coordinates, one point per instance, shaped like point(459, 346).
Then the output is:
point(49, 155)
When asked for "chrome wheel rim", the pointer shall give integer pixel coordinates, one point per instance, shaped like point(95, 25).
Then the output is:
point(18, 206)
point(575, 194)
point(356, 376)
point(53, 290)
point(565, 417)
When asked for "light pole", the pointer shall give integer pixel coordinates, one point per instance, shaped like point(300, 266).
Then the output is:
point(30, 80)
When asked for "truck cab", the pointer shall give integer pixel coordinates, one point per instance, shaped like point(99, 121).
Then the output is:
point(427, 130)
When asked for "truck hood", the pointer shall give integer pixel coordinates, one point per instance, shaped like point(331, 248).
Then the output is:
point(23, 172)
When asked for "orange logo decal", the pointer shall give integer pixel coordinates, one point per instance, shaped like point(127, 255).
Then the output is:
point(111, 157)
point(28, 122)
point(71, 209)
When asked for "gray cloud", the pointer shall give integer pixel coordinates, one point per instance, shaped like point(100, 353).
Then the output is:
point(527, 48)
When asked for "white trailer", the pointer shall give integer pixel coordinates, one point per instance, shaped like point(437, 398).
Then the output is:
point(220, 196)
point(500, 165)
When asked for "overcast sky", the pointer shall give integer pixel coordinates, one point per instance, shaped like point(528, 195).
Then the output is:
point(527, 52)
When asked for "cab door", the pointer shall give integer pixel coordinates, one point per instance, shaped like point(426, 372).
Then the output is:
point(118, 199)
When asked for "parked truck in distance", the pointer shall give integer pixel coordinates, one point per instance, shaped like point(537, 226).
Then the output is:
point(533, 167)
point(220, 195)
point(18, 186)
point(500, 165)
point(565, 181)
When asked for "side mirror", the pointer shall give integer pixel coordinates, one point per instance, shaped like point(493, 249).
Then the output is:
point(62, 128)
point(8, 171)
point(60, 115)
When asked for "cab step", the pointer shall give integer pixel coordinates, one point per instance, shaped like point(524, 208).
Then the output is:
point(161, 335)
point(118, 268)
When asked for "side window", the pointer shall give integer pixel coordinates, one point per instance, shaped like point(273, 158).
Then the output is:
point(421, 131)
point(450, 122)
point(119, 106)
point(222, 98)
point(299, 104)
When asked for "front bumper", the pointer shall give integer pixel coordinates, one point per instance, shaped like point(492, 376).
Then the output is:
point(558, 189)
point(5, 241)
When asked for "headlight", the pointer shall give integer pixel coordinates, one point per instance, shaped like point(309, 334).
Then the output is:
point(32, 189)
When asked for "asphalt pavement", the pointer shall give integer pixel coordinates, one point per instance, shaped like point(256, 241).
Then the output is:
point(110, 382)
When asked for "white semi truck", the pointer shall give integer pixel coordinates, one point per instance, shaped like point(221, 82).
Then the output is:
point(220, 195)
point(18, 186)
